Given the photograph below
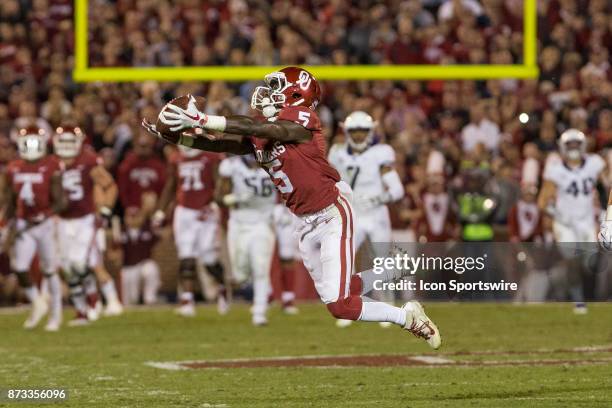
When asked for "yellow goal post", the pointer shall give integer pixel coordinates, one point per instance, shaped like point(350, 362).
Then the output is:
point(83, 73)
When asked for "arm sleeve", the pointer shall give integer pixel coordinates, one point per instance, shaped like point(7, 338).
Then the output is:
point(395, 188)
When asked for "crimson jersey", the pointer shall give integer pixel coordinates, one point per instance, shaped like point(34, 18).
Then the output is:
point(195, 178)
point(78, 185)
point(138, 244)
point(137, 175)
point(300, 171)
point(31, 182)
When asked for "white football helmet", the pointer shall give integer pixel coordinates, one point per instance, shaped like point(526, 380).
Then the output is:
point(67, 141)
point(188, 152)
point(359, 120)
point(32, 143)
point(572, 136)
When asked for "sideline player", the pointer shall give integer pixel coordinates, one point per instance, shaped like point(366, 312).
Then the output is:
point(567, 195)
point(246, 189)
point(291, 148)
point(86, 183)
point(191, 178)
point(368, 167)
point(33, 195)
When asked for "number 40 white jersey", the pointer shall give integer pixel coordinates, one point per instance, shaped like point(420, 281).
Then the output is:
point(362, 171)
point(254, 188)
point(575, 187)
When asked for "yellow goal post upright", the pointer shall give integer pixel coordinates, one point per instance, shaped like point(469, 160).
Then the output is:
point(529, 69)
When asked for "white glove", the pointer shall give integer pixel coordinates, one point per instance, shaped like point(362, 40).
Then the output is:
point(369, 202)
point(605, 235)
point(232, 199)
point(180, 118)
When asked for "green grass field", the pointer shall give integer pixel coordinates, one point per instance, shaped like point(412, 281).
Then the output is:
point(531, 359)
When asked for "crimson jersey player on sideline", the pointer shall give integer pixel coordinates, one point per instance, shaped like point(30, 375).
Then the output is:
point(290, 146)
point(33, 194)
point(191, 179)
point(81, 243)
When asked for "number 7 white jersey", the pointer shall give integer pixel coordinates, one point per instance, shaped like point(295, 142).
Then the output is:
point(254, 186)
point(362, 171)
point(575, 187)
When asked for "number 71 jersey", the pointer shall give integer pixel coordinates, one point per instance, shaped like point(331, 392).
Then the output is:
point(575, 187)
point(195, 178)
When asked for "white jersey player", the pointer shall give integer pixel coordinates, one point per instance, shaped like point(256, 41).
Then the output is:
point(247, 189)
point(367, 167)
point(568, 192)
point(568, 196)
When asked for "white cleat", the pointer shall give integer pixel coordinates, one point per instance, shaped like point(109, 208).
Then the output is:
point(420, 325)
point(53, 324)
point(113, 309)
point(259, 320)
point(223, 306)
point(80, 320)
point(342, 323)
point(291, 310)
point(385, 325)
point(186, 310)
point(93, 313)
point(580, 309)
point(40, 307)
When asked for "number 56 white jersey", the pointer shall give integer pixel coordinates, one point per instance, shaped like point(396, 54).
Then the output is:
point(575, 188)
point(254, 188)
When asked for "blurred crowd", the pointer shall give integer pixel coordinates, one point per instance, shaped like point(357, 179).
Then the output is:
point(493, 125)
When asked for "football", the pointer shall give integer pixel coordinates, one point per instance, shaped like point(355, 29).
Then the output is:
point(181, 102)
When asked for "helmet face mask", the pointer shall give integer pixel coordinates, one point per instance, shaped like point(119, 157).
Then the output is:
point(291, 86)
point(572, 144)
point(67, 142)
point(359, 123)
point(267, 101)
point(32, 144)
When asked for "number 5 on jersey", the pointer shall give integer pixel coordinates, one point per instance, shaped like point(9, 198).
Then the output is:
point(284, 185)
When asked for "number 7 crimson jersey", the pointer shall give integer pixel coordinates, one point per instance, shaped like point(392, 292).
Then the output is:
point(300, 171)
point(31, 182)
point(195, 177)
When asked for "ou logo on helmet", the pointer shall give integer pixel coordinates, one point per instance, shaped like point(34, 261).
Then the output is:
point(304, 80)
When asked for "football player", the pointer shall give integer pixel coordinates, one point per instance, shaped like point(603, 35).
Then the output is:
point(568, 196)
point(246, 189)
point(140, 275)
point(33, 194)
point(86, 184)
point(291, 148)
point(191, 179)
point(140, 172)
point(368, 167)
